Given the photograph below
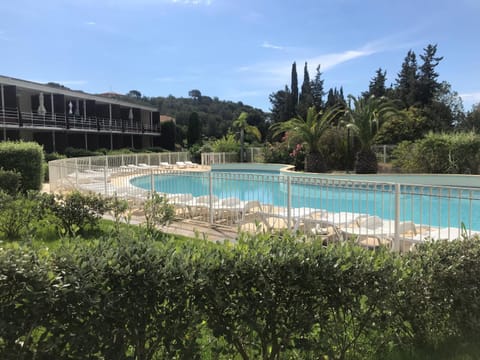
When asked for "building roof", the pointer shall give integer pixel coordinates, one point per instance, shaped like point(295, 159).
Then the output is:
point(71, 93)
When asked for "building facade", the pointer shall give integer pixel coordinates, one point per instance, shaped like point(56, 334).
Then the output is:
point(58, 118)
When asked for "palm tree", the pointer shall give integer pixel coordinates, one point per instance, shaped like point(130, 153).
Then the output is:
point(310, 130)
point(245, 128)
point(364, 119)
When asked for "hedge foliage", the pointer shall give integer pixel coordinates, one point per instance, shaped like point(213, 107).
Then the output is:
point(26, 158)
point(456, 153)
point(10, 181)
point(266, 297)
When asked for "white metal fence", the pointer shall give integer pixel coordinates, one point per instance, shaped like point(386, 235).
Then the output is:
point(383, 152)
point(398, 215)
point(219, 158)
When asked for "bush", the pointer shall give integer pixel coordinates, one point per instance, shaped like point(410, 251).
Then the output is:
point(53, 156)
point(17, 215)
point(269, 296)
point(26, 158)
point(440, 153)
point(158, 212)
point(228, 143)
point(73, 152)
point(76, 211)
point(10, 181)
point(278, 153)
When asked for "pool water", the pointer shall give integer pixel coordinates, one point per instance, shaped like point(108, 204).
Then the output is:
point(443, 207)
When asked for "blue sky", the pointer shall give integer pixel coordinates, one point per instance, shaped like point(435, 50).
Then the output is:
point(235, 50)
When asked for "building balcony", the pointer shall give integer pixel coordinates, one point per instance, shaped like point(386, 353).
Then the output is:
point(12, 118)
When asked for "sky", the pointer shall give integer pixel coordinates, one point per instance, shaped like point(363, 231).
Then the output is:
point(234, 50)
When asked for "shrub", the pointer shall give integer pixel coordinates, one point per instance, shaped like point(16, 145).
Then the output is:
point(17, 214)
point(158, 212)
point(53, 156)
point(118, 208)
point(228, 143)
point(75, 211)
point(440, 153)
point(9, 181)
point(26, 298)
point(26, 158)
point(278, 153)
point(73, 152)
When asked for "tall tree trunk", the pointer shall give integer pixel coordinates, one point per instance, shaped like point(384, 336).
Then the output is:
point(366, 162)
point(314, 162)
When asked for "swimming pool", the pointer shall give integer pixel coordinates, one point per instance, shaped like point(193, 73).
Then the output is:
point(422, 204)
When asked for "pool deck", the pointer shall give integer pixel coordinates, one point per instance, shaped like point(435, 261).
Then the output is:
point(118, 182)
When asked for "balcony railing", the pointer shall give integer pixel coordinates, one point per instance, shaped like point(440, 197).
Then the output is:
point(13, 118)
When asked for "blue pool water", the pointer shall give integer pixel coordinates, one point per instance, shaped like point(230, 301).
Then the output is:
point(424, 205)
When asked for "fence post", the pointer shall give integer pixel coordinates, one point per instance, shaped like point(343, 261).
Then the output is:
point(76, 173)
point(396, 240)
point(210, 197)
point(152, 182)
point(384, 154)
point(289, 201)
point(105, 178)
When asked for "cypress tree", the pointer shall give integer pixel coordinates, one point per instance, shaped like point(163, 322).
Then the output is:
point(294, 91)
point(306, 99)
point(331, 99)
point(194, 129)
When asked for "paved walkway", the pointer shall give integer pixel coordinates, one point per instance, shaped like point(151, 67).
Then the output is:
point(194, 229)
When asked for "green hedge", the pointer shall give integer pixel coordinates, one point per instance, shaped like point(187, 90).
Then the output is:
point(456, 153)
point(267, 297)
point(26, 158)
point(9, 181)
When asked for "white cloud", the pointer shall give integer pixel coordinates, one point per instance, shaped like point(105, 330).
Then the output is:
point(268, 45)
point(71, 82)
point(275, 73)
point(470, 98)
point(90, 23)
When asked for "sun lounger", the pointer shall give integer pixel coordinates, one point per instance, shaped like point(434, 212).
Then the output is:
point(166, 165)
point(181, 164)
point(190, 164)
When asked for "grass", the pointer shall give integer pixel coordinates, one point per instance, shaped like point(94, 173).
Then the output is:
point(47, 235)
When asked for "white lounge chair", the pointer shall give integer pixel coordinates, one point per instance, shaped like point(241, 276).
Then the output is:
point(181, 164)
point(190, 164)
point(166, 165)
point(325, 230)
point(200, 205)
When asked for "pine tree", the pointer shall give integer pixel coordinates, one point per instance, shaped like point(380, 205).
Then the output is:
point(427, 78)
point(317, 90)
point(377, 84)
point(406, 83)
point(281, 105)
point(294, 91)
